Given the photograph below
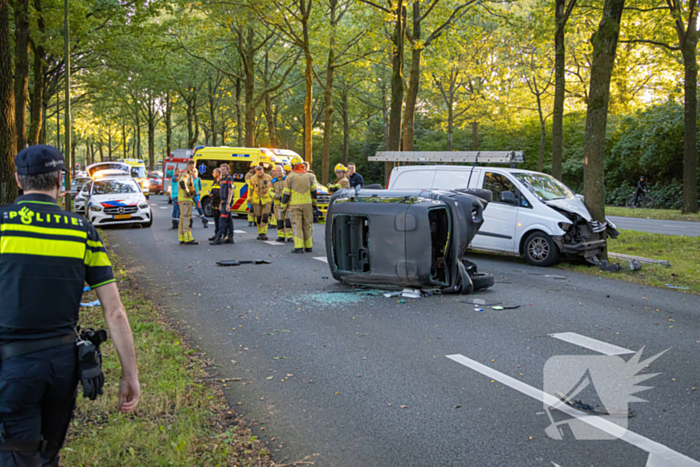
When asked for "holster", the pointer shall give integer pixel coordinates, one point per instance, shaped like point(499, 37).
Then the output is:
point(90, 362)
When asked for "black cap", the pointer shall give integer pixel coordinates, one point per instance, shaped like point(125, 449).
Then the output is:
point(39, 159)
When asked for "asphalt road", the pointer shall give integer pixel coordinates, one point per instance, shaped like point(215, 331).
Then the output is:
point(689, 229)
point(363, 380)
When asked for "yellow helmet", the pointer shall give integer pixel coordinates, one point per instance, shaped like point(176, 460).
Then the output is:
point(287, 166)
point(340, 168)
point(265, 159)
point(296, 160)
point(253, 164)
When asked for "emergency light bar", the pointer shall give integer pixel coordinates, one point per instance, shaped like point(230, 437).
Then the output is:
point(487, 157)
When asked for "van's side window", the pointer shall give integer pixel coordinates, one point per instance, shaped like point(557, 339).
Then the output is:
point(238, 169)
point(498, 183)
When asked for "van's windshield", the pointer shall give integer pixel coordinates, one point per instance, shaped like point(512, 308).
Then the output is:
point(545, 187)
point(138, 172)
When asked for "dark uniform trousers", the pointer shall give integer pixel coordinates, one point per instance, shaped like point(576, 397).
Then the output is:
point(37, 398)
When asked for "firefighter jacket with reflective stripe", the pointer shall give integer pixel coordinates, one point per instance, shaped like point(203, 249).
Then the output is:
point(299, 188)
point(46, 257)
point(339, 183)
point(186, 187)
point(278, 188)
point(261, 189)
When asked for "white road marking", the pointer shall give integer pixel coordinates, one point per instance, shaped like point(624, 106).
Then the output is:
point(590, 343)
point(163, 207)
point(274, 243)
point(659, 455)
point(239, 231)
point(321, 258)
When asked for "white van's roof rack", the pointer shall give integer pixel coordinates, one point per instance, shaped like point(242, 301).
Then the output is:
point(487, 157)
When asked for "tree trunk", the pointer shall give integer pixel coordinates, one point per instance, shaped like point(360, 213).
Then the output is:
point(21, 70)
point(36, 107)
point(450, 123)
point(124, 137)
point(8, 136)
point(475, 135)
point(413, 81)
point(308, 104)
point(543, 130)
point(270, 118)
point(99, 148)
point(109, 145)
point(239, 126)
point(690, 151)
point(249, 88)
point(604, 43)
point(327, 116)
point(346, 125)
point(212, 115)
point(137, 149)
point(559, 89)
point(151, 135)
point(168, 126)
point(397, 85)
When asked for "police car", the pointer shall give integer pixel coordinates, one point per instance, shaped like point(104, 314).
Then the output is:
point(115, 198)
point(81, 198)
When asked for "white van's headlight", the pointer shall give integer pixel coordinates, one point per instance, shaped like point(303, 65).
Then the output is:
point(565, 226)
point(143, 206)
point(96, 208)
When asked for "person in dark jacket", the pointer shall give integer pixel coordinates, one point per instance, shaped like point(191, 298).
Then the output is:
point(354, 178)
point(216, 200)
point(641, 188)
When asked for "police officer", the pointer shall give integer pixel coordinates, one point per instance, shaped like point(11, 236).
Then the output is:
point(300, 199)
point(260, 186)
point(341, 180)
point(46, 256)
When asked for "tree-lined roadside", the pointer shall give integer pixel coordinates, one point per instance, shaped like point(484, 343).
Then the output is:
point(183, 414)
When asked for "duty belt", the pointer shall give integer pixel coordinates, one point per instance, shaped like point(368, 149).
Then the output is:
point(17, 349)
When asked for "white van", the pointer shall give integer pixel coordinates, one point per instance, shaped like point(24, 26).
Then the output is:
point(532, 214)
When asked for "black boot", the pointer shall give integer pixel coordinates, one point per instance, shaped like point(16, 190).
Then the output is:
point(213, 238)
point(229, 239)
point(192, 242)
point(174, 227)
point(281, 239)
point(290, 240)
point(263, 237)
point(218, 240)
point(298, 250)
point(250, 224)
point(309, 250)
point(205, 223)
point(259, 237)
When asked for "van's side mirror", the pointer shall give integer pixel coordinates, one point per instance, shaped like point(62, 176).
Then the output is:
point(509, 198)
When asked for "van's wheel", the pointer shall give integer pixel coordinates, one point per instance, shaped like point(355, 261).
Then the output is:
point(540, 250)
point(207, 208)
point(482, 280)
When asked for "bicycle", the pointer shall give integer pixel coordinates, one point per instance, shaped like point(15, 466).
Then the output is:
point(645, 201)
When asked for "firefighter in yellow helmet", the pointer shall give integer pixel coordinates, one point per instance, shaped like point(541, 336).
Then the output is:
point(248, 176)
point(299, 199)
point(260, 186)
point(341, 180)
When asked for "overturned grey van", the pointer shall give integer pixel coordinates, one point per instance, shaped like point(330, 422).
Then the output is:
point(406, 238)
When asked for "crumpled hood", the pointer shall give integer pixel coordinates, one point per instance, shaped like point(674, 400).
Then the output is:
point(574, 205)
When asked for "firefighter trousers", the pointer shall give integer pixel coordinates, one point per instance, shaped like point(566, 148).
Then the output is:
point(303, 220)
point(262, 217)
point(184, 231)
point(284, 226)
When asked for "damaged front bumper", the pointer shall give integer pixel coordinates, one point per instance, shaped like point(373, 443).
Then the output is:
point(585, 238)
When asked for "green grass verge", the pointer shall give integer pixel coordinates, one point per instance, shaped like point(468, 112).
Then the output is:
point(682, 252)
point(664, 214)
point(182, 418)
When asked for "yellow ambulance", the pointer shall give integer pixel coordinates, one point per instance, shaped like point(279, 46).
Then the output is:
point(138, 172)
point(206, 159)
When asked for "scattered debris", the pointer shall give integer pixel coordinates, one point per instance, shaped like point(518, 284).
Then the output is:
point(514, 307)
point(641, 259)
point(553, 276)
point(482, 302)
point(609, 267)
point(671, 286)
point(408, 293)
point(633, 265)
point(233, 262)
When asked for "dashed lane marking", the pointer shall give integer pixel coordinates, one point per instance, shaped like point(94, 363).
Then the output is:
point(590, 343)
point(274, 243)
point(323, 259)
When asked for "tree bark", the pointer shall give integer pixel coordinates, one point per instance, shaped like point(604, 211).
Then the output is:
point(99, 148)
point(475, 135)
point(450, 123)
point(327, 116)
point(8, 135)
point(346, 125)
point(212, 111)
point(124, 137)
point(249, 88)
point(397, 84)
point(168, 126)
point(309, 82)
point(690, 151)
point(413, 81)
point(239, 126)
point(543, 130)
point(36, 109)
point(560, 17)
point(109, 144)
point(270, 118)
point(21, 11)
point(604, 43)
point(151, 134)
